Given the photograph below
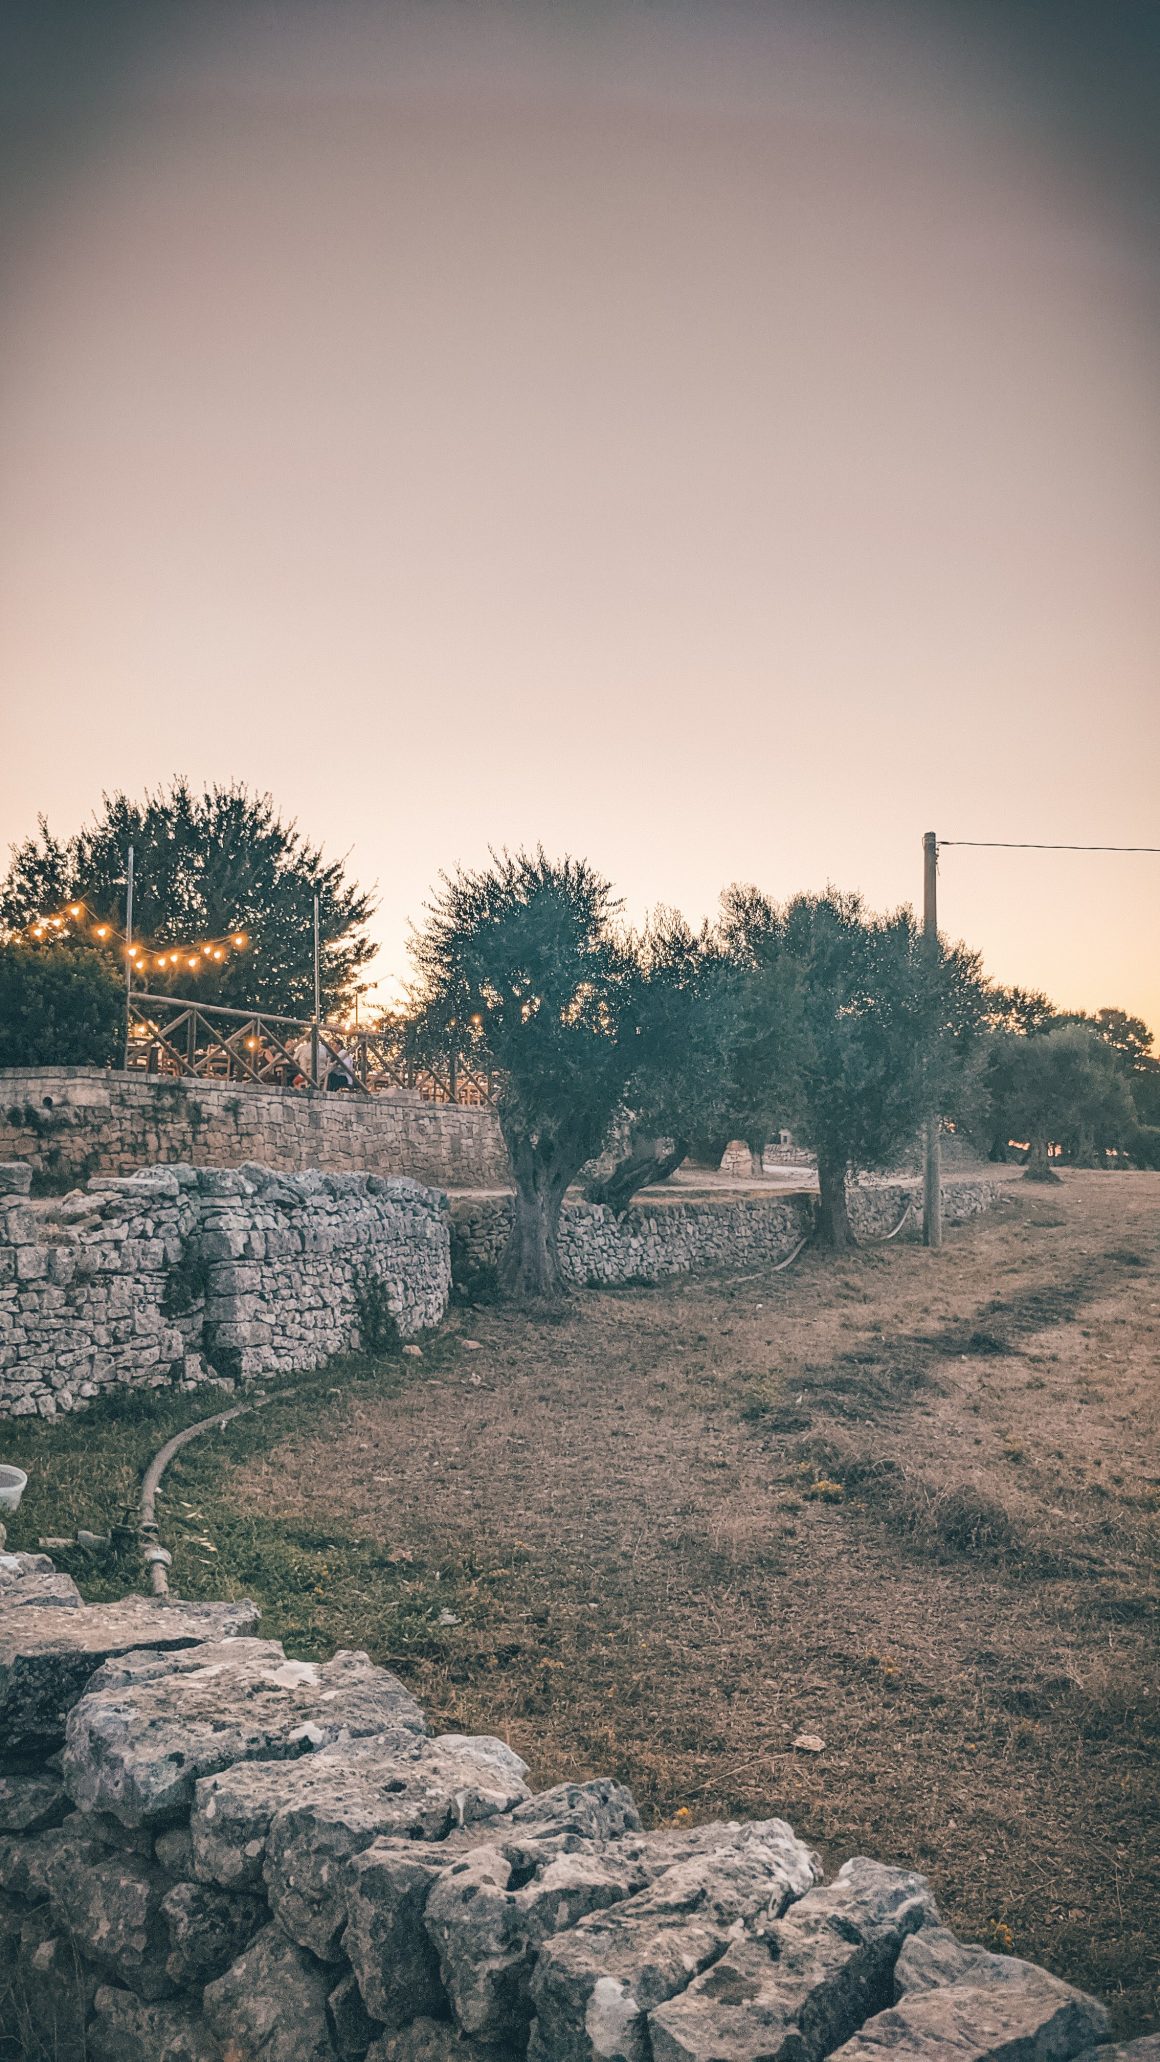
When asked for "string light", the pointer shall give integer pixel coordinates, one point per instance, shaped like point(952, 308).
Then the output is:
point(214, 950)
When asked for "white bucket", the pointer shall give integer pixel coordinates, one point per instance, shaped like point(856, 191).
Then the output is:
point(13, 1483)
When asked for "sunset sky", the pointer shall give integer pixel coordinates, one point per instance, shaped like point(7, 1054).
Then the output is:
point(723, 442)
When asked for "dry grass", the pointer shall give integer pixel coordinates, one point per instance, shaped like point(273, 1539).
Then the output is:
point(907, 1501)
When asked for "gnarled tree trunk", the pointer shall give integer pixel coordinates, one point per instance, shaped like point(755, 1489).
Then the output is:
point(1039, 1167)
point(833, 1217)
point(647, 1160)
point(529, 1266)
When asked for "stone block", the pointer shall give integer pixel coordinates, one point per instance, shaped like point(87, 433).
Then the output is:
point(48, 1654)
point(272, 2003)
point(150, 1726)
point(207, 1930)
point(802, 1984)
point(348, 1796)
point(594, 1987)
point(125, 2028)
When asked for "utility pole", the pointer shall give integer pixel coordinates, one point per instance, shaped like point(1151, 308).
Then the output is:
point(314, 1082)
point(932, 1169)
point(128, 953)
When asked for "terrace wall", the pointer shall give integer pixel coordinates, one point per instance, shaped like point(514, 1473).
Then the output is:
point(183, 1275)
point(657, 1239)
point(69, 1122)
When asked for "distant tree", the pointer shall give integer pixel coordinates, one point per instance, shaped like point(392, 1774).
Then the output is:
point(1128, 1036)
point(1025, 1010)
point(698, 1024)
point(763, 998)
point(59, 1007)
point(885, 1027)
point(205, 865)
point(1065, 1083)
point(526, 957)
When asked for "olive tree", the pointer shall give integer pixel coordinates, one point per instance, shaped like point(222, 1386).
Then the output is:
point(882, 1026)
point(1058, 1084)
point(526, 959)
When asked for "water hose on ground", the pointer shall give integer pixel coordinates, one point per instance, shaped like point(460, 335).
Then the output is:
point(156, 1557)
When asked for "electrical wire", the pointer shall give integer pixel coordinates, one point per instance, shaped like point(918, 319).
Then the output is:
point(1031, 845)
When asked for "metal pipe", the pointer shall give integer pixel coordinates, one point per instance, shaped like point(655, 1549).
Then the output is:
point(156, 1557)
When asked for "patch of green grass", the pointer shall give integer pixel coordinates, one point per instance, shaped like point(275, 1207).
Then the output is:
point(84, 1472)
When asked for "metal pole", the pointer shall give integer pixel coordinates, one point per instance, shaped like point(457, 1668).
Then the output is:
point(932, 1167)
point(128, 956)
point(317, 1003)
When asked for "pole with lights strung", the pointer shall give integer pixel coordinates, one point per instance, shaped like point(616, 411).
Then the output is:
point(128, 950)
point(314, 1081)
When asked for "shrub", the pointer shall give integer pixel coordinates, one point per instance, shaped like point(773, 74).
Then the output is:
point(59, 1007)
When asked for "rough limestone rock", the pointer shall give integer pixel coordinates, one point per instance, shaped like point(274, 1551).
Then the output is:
point(111, 1910)
point(52, 1993)
point(126, 2029)
point(594, 1986)
point(206, 1931)
point(396, 1783)
point(805, 1982)
point(48, 1654)
point(32, 1867)
point(149, 1726)
point(29, 1803)
point(351, 2027)
point(430, 2040)
point(964, 2004)
point(31, 1579)
point(487, 1933)
point(272, 2004)
point(344, 1799)
point(387, 1886)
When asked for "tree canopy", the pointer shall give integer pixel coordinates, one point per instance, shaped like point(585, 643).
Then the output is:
point(62, 1006)
point(883, 1026)
point(525, 956)
point(206, 865)
point(1065, 1084)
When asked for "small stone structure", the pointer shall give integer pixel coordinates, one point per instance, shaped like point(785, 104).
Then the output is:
point(184, 1274)
point(69, 1122)
point(655, 1239)
point(212, 1853)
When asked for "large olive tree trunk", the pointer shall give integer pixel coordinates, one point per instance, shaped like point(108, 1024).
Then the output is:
point(529, 1266)
point(1039, 1167)
point(833, 1216)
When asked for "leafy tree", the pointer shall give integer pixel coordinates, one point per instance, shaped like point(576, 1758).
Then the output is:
point(681, 1009)
point(62, 1006)
point(526, 957)
point(885, 1026)
point(205, 865)
point(761, 1006)
point(1128, 1036)
point(1063, 1083)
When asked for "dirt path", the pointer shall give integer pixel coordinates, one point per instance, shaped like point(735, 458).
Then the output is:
point(907, 1503)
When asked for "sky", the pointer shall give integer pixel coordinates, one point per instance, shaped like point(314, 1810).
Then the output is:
point(721, 441)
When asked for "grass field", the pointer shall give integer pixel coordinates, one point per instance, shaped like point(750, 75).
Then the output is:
point(908, 1503)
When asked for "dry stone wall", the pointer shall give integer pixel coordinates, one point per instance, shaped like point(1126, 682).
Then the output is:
point(68, 1122)
point(210, 1852)
point(188, 1275)
point(656, 1239)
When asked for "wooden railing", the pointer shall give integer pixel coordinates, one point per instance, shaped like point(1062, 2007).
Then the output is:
point(175, 1036)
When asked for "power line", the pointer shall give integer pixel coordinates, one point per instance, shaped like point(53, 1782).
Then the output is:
point(1029, 845)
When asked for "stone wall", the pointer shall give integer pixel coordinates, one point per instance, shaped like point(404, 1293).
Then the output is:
point(212, 1853)
point(186, 1275)
point(659, 1238)
point(69, 1122)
